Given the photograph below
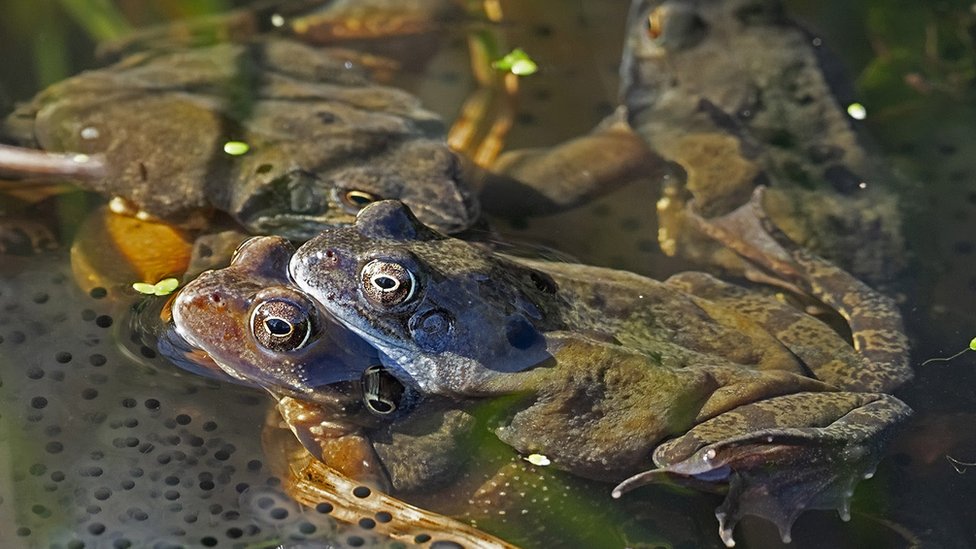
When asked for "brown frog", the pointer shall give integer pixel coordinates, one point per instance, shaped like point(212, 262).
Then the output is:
point(726, 96)
point(737, 95)
point(323, 138)
point(626, 379)
point(357, 426)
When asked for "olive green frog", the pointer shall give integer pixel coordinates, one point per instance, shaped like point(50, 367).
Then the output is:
point(627, 379)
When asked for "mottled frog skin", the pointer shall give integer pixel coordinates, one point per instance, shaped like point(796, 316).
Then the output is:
point(324, 138)
point(624, 377)
point(738, 95)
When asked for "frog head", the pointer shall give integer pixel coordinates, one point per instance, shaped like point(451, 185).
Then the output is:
point(250, 323)
point(448, 313)
point(297, 194)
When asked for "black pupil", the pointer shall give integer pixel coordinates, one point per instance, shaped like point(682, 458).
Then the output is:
point(385, 282)
point(277, 327)
point(359, 199)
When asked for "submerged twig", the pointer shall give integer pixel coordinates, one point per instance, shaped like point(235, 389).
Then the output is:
point(41, 164)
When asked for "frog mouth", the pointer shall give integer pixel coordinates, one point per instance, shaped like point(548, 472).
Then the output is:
point(181, 352)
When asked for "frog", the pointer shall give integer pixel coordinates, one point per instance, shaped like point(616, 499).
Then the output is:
point(624, 379)
point(735, 94)
point(323, 137)
point(339, 418)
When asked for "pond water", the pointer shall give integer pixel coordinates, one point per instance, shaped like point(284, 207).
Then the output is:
point(104, 443)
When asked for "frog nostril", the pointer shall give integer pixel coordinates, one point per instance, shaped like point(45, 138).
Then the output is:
point(328, 259)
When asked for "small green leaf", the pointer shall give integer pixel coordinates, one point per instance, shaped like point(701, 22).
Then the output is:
point(144, 288)
point(517, 62)
point(166, 286)
point(972, 344)
point(236, 148)
point(161, 288)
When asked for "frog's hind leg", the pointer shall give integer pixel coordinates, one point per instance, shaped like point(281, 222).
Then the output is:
point(781, 456)
point(876, 325)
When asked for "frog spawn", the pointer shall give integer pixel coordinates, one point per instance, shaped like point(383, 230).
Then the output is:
point(116, 448)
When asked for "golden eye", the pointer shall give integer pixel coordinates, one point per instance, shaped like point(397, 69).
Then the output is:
point(654, 21)
point(358, 200)
point(280, 325)
point(386, 283)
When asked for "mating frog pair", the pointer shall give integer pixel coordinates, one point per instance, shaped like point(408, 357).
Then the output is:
point(616, 377)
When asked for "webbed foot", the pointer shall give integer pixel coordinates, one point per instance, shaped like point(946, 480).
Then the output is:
point(780, 456)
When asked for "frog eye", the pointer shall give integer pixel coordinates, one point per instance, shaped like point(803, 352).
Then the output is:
point(382, 393)
point(654, 18)
point(675, 27)
point(280, 325)
point(387, 283)
point(357, 200)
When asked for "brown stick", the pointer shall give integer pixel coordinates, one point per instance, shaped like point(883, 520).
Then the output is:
point(33, 163)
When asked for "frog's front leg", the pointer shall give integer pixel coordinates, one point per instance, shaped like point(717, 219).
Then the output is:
point(781, 456)
point(342, 446)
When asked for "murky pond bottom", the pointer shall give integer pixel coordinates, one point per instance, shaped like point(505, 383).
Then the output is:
point(105, 444)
